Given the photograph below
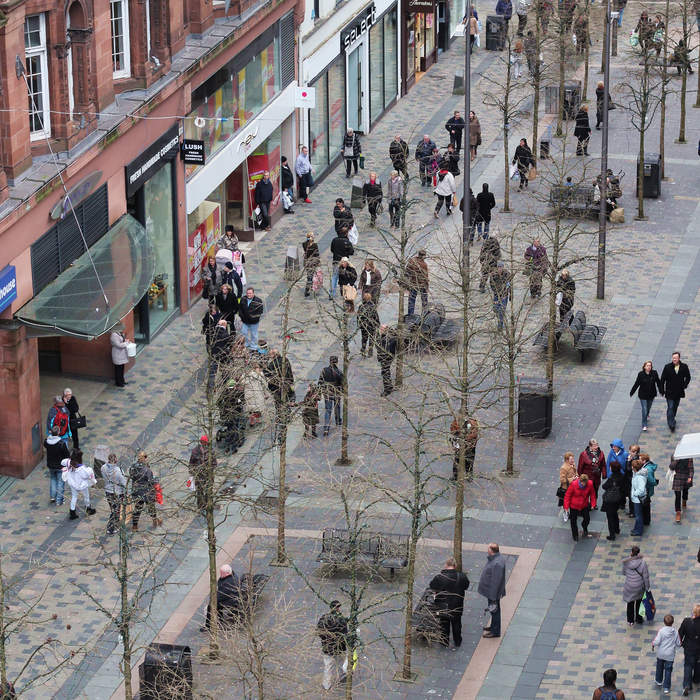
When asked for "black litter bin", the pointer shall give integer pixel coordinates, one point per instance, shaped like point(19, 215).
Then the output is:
point(572, 98)
point(534, 408)
point(166, 673)
point(495, 33)
point(651, 183)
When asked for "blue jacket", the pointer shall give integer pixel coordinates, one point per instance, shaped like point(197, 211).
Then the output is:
point(651, 477)
point(505, 8)
point(621, 457)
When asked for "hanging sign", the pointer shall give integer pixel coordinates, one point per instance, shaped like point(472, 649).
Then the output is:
point(8, 286)
point(192, 151)
point(359, 26)
point(305, 97)
point(75, 195)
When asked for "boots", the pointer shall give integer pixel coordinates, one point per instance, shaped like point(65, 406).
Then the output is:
point(157, 522)
point(678, 516)
point(685, 504)
point(73, 515)
point(90, 511)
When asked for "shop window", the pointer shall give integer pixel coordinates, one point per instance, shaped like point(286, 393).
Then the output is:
point(37, 72)
point(457, 12)
point(376, 71)
point(336, 106)
point(318, 126)
point(391, 78)
point(119, 21)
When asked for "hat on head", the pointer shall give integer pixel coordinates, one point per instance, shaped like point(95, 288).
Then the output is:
point(229, 266)
point(204, 438)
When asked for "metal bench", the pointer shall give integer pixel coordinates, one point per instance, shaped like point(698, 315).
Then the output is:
point(573, 199)
point(586, 336)
point(542, 337)
point(375, 550)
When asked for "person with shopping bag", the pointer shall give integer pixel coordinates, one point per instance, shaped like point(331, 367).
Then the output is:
point(445, 191)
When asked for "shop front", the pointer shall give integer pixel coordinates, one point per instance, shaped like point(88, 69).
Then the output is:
point(419, 28)
point(355, 88)
point(151, 188)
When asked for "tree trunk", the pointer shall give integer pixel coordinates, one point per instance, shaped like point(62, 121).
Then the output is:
point(125, 614)
point(613, 42)
point(684, 86)
point(398, 381)
point(536, 84)
point(344, 458)
point(506, 126)
point(511, 399)
point(664, 92)
point(3, 632)
point(640, 167)
point(586, 55)
point(410, 581)
point(562, 70)
point(552, 311)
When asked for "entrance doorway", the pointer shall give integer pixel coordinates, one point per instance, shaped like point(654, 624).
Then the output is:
point(358, 86)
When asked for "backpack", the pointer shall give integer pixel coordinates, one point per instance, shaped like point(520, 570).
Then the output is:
point(607, 694)
point(62, 421)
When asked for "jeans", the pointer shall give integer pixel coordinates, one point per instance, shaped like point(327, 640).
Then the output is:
point(412, 300)
point(678, 494)
point(499, 307)
point(265, 213)
point(646, 410)
point(691, 669)
point(74, 497)
point(487, 225)
point(671, 409)
point(495, 627)
point(453, 621)
point(334, 279)
point(395, 212)
point(250, 333)
point(332, 406)
point(330, 668)
point(423, 172)
point(633, 612)
point(56, 486)
point(663, 673)
point(585, 519)
point(638, 528)
point(619, 17)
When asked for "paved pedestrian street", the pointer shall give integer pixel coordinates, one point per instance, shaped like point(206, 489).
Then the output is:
point(563, 614)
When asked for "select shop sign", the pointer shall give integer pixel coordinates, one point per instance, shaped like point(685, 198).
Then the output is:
point(8, 287)
point(359, 26)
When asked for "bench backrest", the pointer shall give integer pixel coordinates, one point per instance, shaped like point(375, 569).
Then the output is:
point(581, 318)
point(571, 195)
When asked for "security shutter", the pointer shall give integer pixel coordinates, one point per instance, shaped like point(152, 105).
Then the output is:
point(287, 49)
point(59, 247)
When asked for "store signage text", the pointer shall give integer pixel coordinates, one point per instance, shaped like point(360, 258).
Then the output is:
point(419, 6)
point(8, 286)
point(75, 195)
point(151, 160)
point(359, 26)
point(193, 152)
point(245, 142)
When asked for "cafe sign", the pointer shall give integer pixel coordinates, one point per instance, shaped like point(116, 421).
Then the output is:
point(75, 195)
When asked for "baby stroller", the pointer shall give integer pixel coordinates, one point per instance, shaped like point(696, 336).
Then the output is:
point(232, 417)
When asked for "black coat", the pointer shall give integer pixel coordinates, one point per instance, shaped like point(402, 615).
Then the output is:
point(372, 193)
point(456, 125)
point(614, 491)
point(523, 158)
point(347, 276)
point(450, 586)
point(424, 151)
point(490, 252)
point(673, 385)
point(330, 382)
point(341, 248)
point(312, 255)
point(55, 452)
point(233, 279)
point(368, 317)
point(227, 306)
point(353, 141)
point(220, 343)
point(287, 177)
point(689, 632)
point(250, 313)
point(451, 161)
point(263, 192)
point(386, 347)
point(142, 482)
point(333, 631)
point(583, 126)
point(228, 592)
point(646, 383)
point(280, 378)
point(343, 218)
point(73, 408)
point(398, 152)
point(486, 202)
point(209, 326)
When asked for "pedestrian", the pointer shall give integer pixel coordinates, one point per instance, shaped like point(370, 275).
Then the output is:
point(395, 194)
point(263, 199)
point(683, 472)
point(347, 276)
point(467, 431)
point(342, 217)
point(202, 460)
point(434, 166)
point(608, 691)
point(489, 255)
point(417, 280)
point(530, 47)
point(368, 323)
point(209, 322)
point(536, 267)
point(80, 478)
point(689, 633)
point(675, 378)
point(505, 9)
point(386, 351)
point(120, 357)
point(582, 131)
point(445, 191)
point(613, 496)
point(581, 33)
point(665, 643)
point(637, 583)
point(592, 463)
point(638, 495)
point(333, 631)
point(71, 404)
point(523, 159)
point(492, 585)
point(473, 25)
point(601, 94)
point(228, 598)
point(645, 31)
point(226, 303)
point(580, 497)
point(280, 383)
point(330, 383)
point(309, 410)
point(250, 310)
point(115, 488)
point(567, 474)
point(372, 194)
point(565, 292)
point(351, 151)
point(398, 153)
point(516, 59)
point(228, 241)
point(56, 452)
point(521, 11)
point(210, 277)
point(450, 586)
point(450, 160)
point(143, 491)
point(473, 214)
point(59, 416)
point(485, 202)
point(424, 154)
point(681, 57)
point(455, 128)
point(619, 454)
point(652, 483)
point(312, 261)
point(370, 280)
point(303, 169)
point(287, 185)
point(232, 277)
point(647, 382)
point(500, 286)
point(218, 353)
point(341, 247)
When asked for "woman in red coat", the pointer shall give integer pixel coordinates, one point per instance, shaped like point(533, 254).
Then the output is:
point(579, 499)
point(592, 462)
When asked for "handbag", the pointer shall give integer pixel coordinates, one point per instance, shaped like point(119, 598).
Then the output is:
point(349, 292)
point(648, 606)
point(513, 171)
point(159, 494)
point(634, 39)
point(348, 152)
point(317, 280)
point(561, 492)
point(477, 41)
point(80, 421)
point(532, 173)
point(353, 234)
point(454, 200)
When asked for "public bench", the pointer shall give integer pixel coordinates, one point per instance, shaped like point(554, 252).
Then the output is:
point(574, 199)
point(585, 336)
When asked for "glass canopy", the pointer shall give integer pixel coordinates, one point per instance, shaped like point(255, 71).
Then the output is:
point(75, 304)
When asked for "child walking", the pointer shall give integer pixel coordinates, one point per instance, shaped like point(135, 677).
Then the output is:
point(80, 478)
point(666, 642)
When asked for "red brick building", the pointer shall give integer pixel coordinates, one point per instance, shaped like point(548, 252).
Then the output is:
point(103, 92)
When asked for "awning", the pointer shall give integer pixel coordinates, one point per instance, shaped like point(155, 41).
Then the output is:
point(74, 303)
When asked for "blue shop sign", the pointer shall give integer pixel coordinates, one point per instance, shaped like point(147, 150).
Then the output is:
point(8, 287)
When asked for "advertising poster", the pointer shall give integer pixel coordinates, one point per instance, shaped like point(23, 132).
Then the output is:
point(201, 243)
point(258, 163)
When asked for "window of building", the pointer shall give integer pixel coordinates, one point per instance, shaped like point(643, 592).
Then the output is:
point(37, 71)
point(318, 126)
point(119, 19)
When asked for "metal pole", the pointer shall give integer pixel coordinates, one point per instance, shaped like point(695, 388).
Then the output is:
point(603, 215)
point(466, 142)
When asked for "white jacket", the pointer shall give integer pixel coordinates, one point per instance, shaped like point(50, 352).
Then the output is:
point(446, 186)
point(78, 479)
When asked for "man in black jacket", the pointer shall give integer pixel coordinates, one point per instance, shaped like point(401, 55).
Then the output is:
point(56, 450)
point(398, 152)
point(333, 631)
point(689, 632)
point(343, 216)
point(450, 586)
point(424, 153)
point(263, 198)
point(489, 255)
point(372, 194)
point(368, 323)
point(386, 351)
point(287, 182)
point(330, 382)
point(250, 310)
point(674, 381)
point(455, 128)
point(340, 248)
point(227, 597)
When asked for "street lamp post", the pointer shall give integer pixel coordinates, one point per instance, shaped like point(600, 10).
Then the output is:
point(603, 214)
point(465, 139)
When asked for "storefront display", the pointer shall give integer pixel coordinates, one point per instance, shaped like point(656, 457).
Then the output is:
point(420, 41)
point(457, 10)
point(383, 76)
point(201, 243)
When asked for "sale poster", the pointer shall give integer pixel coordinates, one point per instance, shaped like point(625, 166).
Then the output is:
point(201, 243)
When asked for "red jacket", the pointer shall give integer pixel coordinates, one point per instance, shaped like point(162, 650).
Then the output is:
point(585, 466)
point(578, 498)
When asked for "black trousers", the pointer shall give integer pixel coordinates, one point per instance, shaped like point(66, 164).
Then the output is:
point(445, 199)
point(456, 138)
point(585, 519)
point(119, 375)
point(633, 611)
point(395, 212)
point(139, 504)
point(386, 376)
point(468, 464)
point(613, 521)
point(74, 436)
point(678, 497)
point(367, 336)
point(349, 163)
point(454, 622)
point(646, 510)
point(372, 208)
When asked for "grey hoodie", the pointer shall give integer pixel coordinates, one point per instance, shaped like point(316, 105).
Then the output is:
point(666, 643)
point(115, 481)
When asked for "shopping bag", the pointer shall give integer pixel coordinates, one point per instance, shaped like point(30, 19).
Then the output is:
point(634, 39)
point(349, 292)
point(257, 215)
point(532, 173)
point(190, 484)
point(513, 171)
point(477, 41)
point(617, 216)
point(353, 234)
point(317, 281)
point(647, 607)
point(454, 200)
point(159, 494)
